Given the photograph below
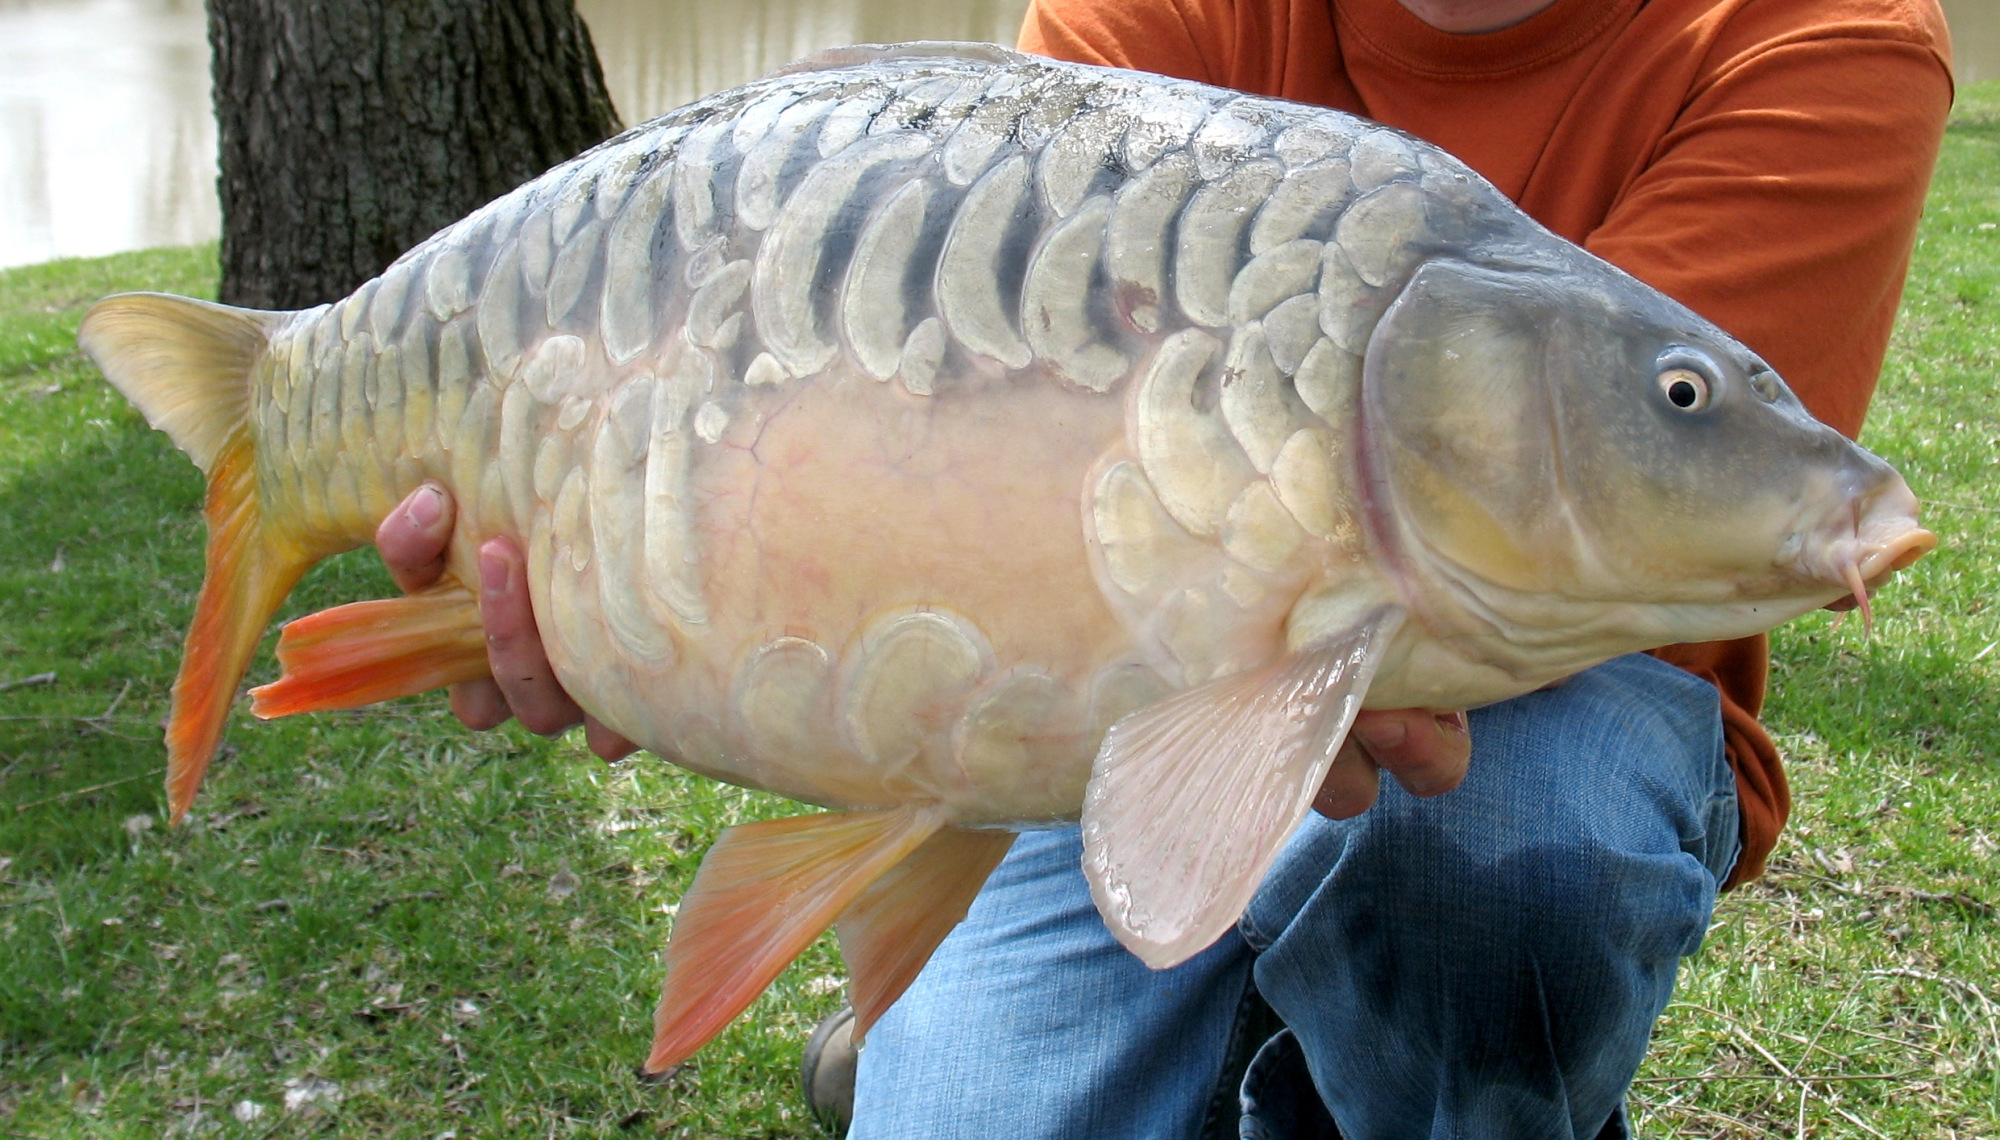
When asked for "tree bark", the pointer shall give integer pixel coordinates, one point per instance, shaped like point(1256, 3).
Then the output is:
point(353, 129)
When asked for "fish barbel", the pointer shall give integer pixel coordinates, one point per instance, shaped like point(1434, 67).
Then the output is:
point(968, 442)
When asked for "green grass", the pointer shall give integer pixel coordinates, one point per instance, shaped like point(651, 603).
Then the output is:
point(460, 931)
point(1873, 945)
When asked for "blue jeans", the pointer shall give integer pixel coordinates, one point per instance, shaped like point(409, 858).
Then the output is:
point(1487, 963)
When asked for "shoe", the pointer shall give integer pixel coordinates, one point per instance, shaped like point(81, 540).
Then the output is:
point(827, 1071)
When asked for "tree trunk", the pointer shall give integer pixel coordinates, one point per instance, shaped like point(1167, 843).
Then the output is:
point(353, 129)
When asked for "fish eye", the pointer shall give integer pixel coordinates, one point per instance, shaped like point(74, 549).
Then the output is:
point(1686, 389)
point(1686, 379)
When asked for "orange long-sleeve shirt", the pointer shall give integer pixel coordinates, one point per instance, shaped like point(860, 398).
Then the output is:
point(1762, 161)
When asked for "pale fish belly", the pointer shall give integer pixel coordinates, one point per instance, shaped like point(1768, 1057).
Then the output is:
point(881, 435)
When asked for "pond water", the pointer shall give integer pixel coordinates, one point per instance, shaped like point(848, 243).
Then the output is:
point(107, 142)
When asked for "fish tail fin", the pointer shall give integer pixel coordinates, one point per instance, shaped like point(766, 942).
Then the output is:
point(763, 893)
point(889, 932)
point(188, 366)
point(364, 652)
point(185, 364)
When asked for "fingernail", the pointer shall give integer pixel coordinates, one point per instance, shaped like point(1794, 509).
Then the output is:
point(494, 572)
point(1382, 735)
point(427, 506)
point(1454, 722)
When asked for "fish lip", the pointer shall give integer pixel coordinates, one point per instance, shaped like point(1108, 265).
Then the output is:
point(1896, 553)
point(1870, 534)
point(1870, 552)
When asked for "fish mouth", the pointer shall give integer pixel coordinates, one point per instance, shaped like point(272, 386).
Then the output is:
point(1877, 536)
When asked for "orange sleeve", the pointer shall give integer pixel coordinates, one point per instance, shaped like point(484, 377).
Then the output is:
point(1261, 47)
point(1144, 35)
point(1783, 206)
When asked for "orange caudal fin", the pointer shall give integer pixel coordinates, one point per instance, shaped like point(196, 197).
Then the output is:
point(763, 893)
point(188, 365)
point(358, 654)
point(248, 577)
point(888, 933)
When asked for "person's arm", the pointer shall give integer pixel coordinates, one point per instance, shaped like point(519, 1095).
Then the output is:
point(1783, 202)
point(1156, 36)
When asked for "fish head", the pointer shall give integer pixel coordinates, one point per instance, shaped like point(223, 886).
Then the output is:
point(1564, 444)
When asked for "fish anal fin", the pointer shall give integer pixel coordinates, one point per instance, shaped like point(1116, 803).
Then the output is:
point(763, 893)
point(1191, 798)
point(358, 654)
point(889, 932)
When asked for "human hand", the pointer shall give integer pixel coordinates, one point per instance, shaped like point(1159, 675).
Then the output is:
point(1425, 751)
point(413, 541)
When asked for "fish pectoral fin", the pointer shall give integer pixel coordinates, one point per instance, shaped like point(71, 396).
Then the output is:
point(358, 654)
point(889, 932)
point(763, 893)
point(1191, 798)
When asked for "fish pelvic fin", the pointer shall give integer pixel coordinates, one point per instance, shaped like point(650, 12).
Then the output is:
point(763, 893)
point(889, 932)
point(188, 366)
point(358, 654)
point(1191, 798)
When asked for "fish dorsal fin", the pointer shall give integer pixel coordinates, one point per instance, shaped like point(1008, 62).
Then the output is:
point(763, 893)
point(857, 55)
point(1191, 798)
point(888, 933)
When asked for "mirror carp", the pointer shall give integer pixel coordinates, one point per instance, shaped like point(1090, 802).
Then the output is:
point(966, 442)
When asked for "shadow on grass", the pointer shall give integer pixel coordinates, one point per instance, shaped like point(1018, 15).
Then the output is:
point(120, 517)
point(460, 930)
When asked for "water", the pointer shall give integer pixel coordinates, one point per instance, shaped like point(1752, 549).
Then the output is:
point(107, 142)
point(658, 56)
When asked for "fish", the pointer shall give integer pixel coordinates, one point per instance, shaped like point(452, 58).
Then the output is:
point(965, 443)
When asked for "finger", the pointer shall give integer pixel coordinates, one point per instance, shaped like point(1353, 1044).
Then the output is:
point(514, 646)
point(1426, 752)
point(414, 537)
point(479, 705)
point(1350, 785)
point(604, 741)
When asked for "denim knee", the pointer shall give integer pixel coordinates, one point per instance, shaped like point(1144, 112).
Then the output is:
point(1491, 960)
